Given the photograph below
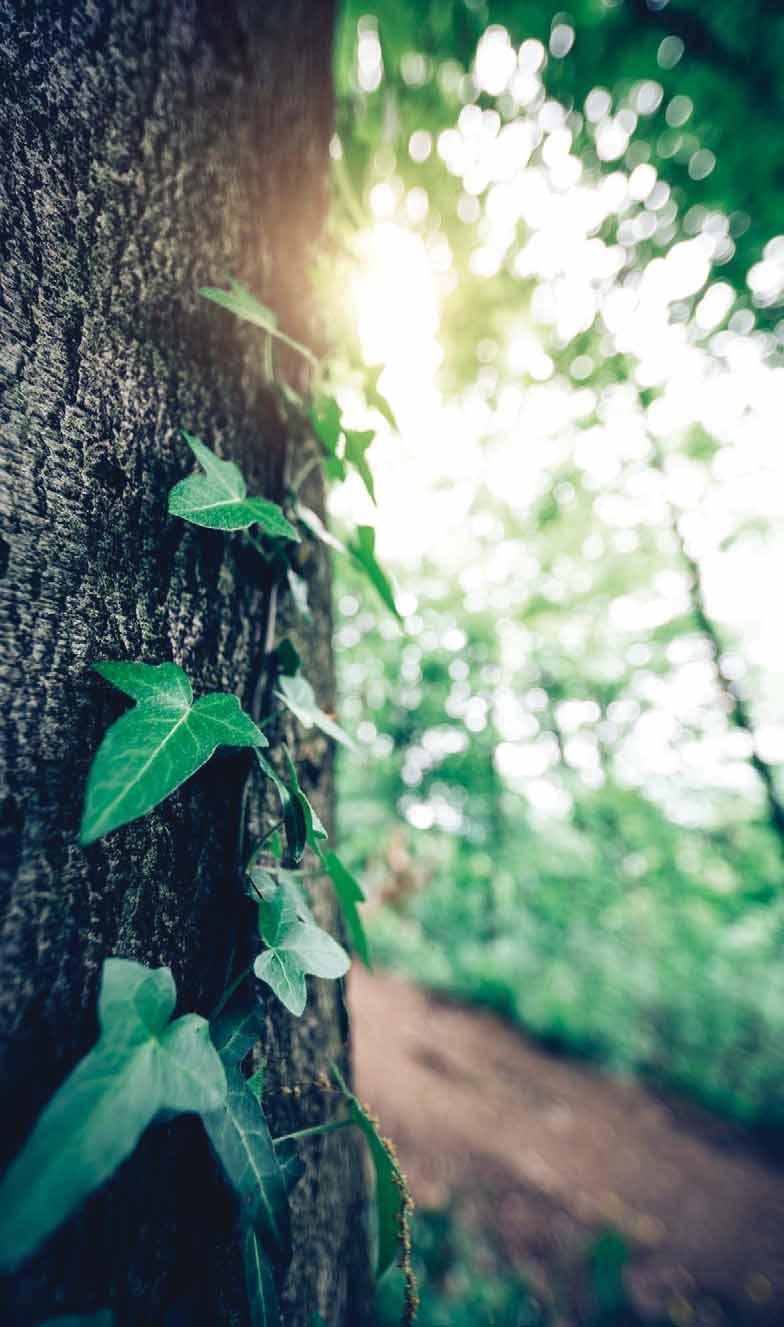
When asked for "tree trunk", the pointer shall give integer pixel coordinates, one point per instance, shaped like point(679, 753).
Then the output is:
point(150, 147)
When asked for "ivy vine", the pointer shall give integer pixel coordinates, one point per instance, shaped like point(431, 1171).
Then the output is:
point(143, 1065)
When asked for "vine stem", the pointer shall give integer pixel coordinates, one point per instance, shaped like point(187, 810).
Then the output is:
point(257, 847)
point(298, 347)
point(227, 994)
point(313, 1131)
point(309, 466)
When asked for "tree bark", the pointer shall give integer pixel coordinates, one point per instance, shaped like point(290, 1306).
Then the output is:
point(150, 147)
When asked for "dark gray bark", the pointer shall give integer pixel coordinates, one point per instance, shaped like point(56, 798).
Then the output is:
point(149, 147)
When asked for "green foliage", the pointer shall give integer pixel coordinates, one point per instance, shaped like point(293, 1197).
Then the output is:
point(140, 1066)
point(294, 821)
point(259, 1282)
point(357, 443)
point(297, 695)
point(239, 301)
point(393, 1200)
point(155, 747)
point(240, 1136)
point(349, 894)
point(294, 948)
point(363, 550)
point(325, 418)
point(343, 446)
point(218, 498)
point(607, 926)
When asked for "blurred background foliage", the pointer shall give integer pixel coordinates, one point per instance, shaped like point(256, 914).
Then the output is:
point(556, 235)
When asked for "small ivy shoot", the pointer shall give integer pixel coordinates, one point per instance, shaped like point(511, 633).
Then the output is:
point(239, 301)
point(297, 695)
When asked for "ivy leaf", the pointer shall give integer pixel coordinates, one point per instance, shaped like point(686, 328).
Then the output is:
point(287, 658)
point(140, 1066)
point(299, 593)
point(298, 696)
point(155, 747)
point(363, 551)
point(294, 821)
point(260, 1286)
point(265, 886)
point(326, 422)
point(349, 894)
point(316, 952)
point(294, 949)
point(314, 523)
point(239, 301)
point(240, 1136)
point(314, 829)
point(283, 974)
point(393, 1200)
point(357, 443)
point(218, 498)
point(376, 399)
point(291, 889)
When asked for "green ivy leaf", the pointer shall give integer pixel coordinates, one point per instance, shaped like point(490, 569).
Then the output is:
point(240, 1137)
point(264, 885)
point(357, 443)
point(283, 974)
point(294, 821)
point(218, 498)
point(298, 696)
point(376, 399)
point(287, 658)
point(363, 551)
point(327, 426)
point(140, 1066)
point(259, 1282)
point(292, 890)
point(393, 1199)
point(295, 948)
point(349, 894)
point(314, 829)
point(239, 301)
point(155, 747)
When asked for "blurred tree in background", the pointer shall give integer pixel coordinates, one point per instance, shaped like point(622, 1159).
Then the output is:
point(558, 233)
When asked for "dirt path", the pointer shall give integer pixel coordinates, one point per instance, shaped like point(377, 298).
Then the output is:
point(547, 1152)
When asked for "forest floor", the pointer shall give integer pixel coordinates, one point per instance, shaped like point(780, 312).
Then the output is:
point(542, 1153)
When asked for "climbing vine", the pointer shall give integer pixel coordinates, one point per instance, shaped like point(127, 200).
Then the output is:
point(143, 1065)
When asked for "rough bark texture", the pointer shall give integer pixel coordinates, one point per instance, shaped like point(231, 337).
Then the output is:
point(150, 147)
